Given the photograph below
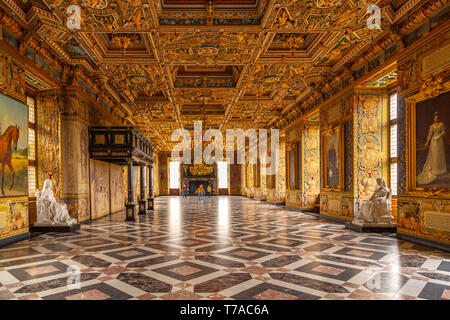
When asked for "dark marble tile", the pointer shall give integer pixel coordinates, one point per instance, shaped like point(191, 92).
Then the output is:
point(267, 247)
point(267, 291)
point(214, 247)
point(220, 261)
point(163, 247)
point(129, 254)
point(360, 253)
point(107, 247)
point(412, 261)
point(380, 241)
point(91, 242)
point(98, 291)
point(151, 262)
point(185, 271)
point(347, 261)
point(27, 261)
point(309, 283)
point(39, 271)
point(188, 242)
point(91, 261)
point(57, 247)
point(436, 276)
point(284, 242)
point(329, 270)
point(345, 237)
point(53, 284)
point(320, 234)
point(319, 247)
point(281, 261)
point(245, 253)
point(444, 266)
point(144, 283)
point(435, 291)
point(9, 254)
point(222, 283)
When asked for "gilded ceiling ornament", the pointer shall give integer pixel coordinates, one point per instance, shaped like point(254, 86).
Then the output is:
point(432, 87)
point(96, 4)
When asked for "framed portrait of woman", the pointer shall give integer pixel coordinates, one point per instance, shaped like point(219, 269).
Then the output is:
point(429, 142)
point(332, 156)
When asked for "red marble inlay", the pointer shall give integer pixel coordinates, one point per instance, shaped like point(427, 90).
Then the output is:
point(129, 253)
point(446, 294)
point(360, 253)
point(245, 253)
point(89, 295)
point(329, 270)
point(271, 294)
point(36, 271)
point(185, 270)
point(147, 296)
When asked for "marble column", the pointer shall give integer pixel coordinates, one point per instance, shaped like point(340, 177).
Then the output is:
point(142, 198)
point(131, 205)
point(150, 188)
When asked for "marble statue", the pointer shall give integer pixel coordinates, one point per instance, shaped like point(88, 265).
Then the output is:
point(49, 211)
point(378, 209)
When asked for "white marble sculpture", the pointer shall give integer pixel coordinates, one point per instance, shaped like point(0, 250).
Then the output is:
point(378, 209)
point(49, 211)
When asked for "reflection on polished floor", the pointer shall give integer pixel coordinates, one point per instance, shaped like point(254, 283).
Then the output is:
point(224, 248)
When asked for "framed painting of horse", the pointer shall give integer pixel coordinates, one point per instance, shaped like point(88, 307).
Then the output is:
point(13, 148)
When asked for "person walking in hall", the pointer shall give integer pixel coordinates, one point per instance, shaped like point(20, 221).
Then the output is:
point(200, 192)
point(184, 192)
point(208, 189)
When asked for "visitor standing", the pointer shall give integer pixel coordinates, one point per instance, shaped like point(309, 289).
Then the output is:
point(200, 192)
point(208, 189)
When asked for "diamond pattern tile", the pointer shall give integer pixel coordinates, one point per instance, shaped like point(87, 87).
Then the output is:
point(262, 252)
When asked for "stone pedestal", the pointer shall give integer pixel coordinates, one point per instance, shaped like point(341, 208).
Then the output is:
point(130, 212)
point(142, 206)
point(47, 227)
point(359, 226)
point(150, 204)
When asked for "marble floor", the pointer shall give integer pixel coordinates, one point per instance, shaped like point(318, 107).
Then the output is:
point(223, 248)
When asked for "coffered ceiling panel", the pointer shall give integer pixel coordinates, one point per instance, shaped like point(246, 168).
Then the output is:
point(227, 63)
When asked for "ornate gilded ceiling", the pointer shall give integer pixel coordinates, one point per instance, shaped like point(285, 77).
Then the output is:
point(227, 63)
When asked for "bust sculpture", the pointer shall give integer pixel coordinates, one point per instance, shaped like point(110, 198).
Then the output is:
point(378, 209)
point(50, 211)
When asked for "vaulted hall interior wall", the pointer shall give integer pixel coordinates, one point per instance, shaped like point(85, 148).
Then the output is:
point(14, 204)
point(303, 164)
point(423, 209)
point(354, 150)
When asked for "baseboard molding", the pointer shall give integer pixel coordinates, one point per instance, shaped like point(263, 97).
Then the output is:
point(425, 242)
point(55, 228)
point(105, 216)
point(13, 239)
point(366, 229)
point(324, 216)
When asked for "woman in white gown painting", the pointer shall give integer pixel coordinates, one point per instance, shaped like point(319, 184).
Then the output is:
point(436, 164)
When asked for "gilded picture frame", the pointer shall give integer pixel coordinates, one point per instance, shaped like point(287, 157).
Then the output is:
point(411, 124)
point(339, 130)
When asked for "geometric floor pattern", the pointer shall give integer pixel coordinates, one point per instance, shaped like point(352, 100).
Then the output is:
point(223, 248)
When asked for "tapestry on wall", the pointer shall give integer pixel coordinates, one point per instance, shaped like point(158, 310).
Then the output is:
point(13, 147)
point(100, 196)
point(49, 142)
point(117, 188)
